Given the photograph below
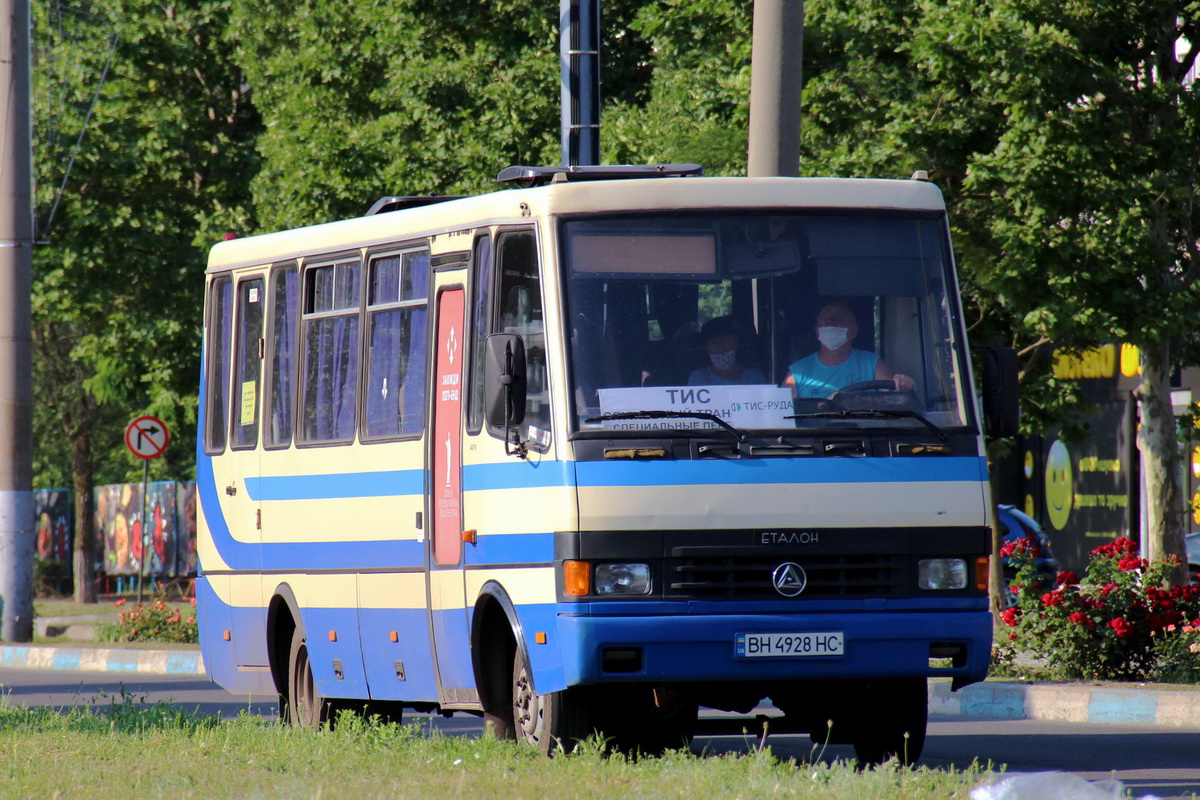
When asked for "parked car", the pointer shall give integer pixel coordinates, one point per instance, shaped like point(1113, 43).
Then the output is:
point(1192, 543)
point(1016, 525)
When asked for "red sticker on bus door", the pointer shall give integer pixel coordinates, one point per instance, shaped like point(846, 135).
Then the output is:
point(446, 477)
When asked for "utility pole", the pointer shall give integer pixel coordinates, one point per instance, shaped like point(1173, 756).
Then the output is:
point(579, 55)
point(775, 86)
point(16, 346)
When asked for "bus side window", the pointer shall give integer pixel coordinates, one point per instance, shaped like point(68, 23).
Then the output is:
point(248, 365)
point(220, 325)
point(397, 307)
point(331, 351)
point(481, 293)
point(281, 344)
point(520, 311)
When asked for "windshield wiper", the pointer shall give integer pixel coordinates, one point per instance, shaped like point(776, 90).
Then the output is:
point(873, 414)
point(655, 414)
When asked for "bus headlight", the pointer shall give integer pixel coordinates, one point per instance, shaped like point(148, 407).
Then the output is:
point(942, 573)
point(622, 579)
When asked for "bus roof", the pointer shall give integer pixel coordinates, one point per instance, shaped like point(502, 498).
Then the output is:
point(604, 196)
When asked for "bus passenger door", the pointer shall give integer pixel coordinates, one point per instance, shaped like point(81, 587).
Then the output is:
point(447, 596)
point(244, 513)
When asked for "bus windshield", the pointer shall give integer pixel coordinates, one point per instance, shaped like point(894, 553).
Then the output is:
point(768, 320)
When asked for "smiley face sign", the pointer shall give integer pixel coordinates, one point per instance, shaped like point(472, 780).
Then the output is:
point(1059, 494)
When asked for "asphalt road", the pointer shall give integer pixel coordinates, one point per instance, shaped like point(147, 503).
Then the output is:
point(1160, 761)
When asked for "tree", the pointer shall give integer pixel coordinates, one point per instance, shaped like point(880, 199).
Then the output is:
point(696, 107)
point(162, 173)
point(1090, 192)
point(451, 94)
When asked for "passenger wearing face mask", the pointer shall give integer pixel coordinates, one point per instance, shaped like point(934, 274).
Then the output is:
point(721, 342)
point(837, 364)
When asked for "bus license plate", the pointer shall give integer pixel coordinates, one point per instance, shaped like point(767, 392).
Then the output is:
point(767, 645)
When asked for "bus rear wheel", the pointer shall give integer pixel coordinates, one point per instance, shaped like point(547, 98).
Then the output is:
point(307, 708)
point(891, 721)
point(546, 721)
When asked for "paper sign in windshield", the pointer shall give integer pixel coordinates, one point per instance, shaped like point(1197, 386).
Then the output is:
point(741, 406)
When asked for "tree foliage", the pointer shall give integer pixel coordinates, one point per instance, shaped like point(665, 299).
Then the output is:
point(162, 173)
point(450, 95)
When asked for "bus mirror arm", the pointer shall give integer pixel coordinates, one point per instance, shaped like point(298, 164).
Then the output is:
point(504, 383)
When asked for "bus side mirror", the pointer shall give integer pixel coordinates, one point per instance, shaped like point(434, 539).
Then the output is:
point(1001, 403)
point(504, 380)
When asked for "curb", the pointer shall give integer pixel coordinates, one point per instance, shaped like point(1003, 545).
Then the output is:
point(1068, 703)
point(93, 659)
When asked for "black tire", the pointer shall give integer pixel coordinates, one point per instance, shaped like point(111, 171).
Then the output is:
point(890, 721)
point(308, 709)
point(641, 721)
point(498, 726)
point(498, 699)
point(546, 721)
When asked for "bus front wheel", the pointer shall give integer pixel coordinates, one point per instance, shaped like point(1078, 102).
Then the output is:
point(308, 709)
point(546, 720)
point(891, 721)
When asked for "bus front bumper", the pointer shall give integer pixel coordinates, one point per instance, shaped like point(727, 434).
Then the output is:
point(683, 648)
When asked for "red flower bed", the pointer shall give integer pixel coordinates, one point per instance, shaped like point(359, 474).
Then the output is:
point(1119, 623)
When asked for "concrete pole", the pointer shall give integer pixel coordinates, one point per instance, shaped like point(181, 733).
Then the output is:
point(16, 379)
point(775, 85)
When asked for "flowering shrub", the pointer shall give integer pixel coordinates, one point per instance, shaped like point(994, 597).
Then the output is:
point(153, 622)
point(1118, 624)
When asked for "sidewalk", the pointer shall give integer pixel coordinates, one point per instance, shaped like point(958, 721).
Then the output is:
point(1064, 702)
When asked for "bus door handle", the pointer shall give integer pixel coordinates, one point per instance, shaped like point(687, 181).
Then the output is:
point(231, 490)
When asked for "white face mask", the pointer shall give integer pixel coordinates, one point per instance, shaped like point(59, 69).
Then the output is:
point(832, 337)
point(724, 360)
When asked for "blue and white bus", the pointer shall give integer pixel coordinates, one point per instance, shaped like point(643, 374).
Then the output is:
point(480, 455)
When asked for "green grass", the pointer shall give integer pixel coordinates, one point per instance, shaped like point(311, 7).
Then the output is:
point(67, 608)
point(156, 751)
point(61, 608)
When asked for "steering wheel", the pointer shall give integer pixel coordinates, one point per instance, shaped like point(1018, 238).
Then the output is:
point(867, 386)
point(874, 396)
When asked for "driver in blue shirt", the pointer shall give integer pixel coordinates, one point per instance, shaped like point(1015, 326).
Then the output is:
point(837, 363)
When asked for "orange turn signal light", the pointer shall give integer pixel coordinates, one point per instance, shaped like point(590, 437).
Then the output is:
point(981, 573)
point(577, 578)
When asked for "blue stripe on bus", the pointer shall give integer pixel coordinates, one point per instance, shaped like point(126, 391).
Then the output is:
point(518, 475)
point(336, 486)
point(547, 474)
point(522, 475)
point(333, 554)
point(511, 548)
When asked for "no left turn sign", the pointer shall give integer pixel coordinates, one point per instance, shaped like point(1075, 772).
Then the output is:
point(147, 437)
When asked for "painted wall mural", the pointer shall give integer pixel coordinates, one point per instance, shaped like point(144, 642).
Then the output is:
point(163, 543)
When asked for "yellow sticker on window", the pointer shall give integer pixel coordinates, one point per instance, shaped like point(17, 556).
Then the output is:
point(249, 402)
